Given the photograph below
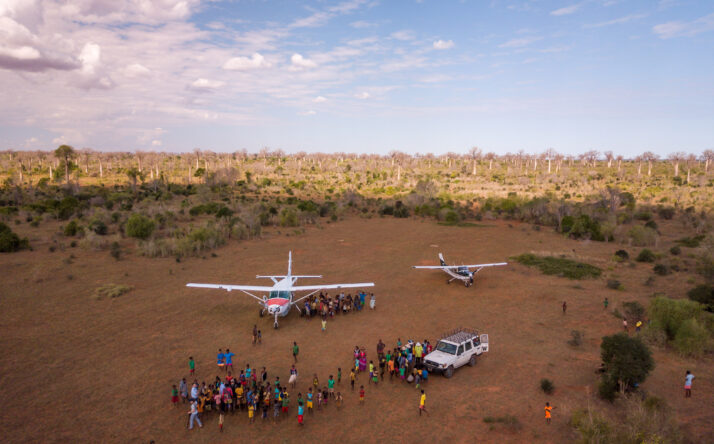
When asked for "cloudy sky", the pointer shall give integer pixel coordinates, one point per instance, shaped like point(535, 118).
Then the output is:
point(358, 75)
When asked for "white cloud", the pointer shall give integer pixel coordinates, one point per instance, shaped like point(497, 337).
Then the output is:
point(298, 63)
point(441, 44)
point(687, 29)
point(363, 95)
point(519, 42)
point(319, 99)
point(307, 113)
point(617, 21)
point(566, 10)
point(136, 70)
point(244, 63)
point(361, 24)
point(206, 84)
point(156, 143)
point(403, 35)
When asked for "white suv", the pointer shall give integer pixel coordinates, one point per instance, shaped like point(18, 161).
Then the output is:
point(455, 349)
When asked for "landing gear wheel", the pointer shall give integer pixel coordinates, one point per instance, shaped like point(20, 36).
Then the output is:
point(275, 325)
point(449, 372)
point(466, 284)
point(261, 312)
point(448, 281)
point(472, 361)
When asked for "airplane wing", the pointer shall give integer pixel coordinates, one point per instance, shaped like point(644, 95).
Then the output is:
point(442, 267)
point(244, 288)
point(329, 287)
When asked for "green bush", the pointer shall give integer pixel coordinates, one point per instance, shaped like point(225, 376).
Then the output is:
point(547, 386)
point(289, 218)
point(704, 294)
point(111, 291)
point(622, 254)
point(666, 213)
point(9, 241)
point(559, 266)
point(661, 270)
point(99, 227)
point(71, 228)
point(692, 338)
point(651, 224)
point(139, 226)
point(675, 250)
point(642, 236)
point(627, 362)
point(633, 310)
point(646, 256)
point(691, 242)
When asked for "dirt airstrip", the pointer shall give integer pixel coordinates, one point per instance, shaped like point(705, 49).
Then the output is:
point(79, 369)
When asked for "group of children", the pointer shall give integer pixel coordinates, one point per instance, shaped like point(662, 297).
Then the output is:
point(325, 306)
point(251, 392)
point(405, 361)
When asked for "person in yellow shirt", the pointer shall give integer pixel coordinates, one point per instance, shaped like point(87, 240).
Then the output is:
point(548, 408)
point(422, 403)
point(251, 410)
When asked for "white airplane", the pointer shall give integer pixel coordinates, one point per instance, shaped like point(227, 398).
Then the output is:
point(280, 295)
point(460, 272)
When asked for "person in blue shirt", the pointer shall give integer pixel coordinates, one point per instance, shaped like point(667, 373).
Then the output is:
point(424, 374)
point(688, 384)
point(300, 411)
point(229, 359)
point(221, 359)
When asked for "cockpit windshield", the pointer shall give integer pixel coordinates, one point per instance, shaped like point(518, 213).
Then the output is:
point(446, 348)
point(280, 294)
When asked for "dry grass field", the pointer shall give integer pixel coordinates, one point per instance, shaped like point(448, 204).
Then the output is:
point(78, 369)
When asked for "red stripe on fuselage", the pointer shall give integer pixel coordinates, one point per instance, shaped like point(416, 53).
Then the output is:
point(277, 301)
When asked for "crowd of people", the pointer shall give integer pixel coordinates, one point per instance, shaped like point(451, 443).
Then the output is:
point(324, 305)
point(253, 393)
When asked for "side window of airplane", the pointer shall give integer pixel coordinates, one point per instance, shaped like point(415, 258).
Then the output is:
point(461, 350)
point(468, 345)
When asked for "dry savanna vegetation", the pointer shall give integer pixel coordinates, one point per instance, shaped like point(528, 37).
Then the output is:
point(97, 324)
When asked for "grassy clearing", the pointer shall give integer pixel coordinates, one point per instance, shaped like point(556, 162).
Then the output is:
point(559, 266)
point(508, 421)
point(111, 291)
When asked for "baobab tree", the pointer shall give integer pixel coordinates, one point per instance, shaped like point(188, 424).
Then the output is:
point(475, 153)
point(708, 157)
point(649, 157)
point(675, 159)
point(65, 153)
point(609, 157)
point(549, 155)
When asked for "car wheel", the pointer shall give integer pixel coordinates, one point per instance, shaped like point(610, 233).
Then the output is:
point(449, 372)
point(472, 361)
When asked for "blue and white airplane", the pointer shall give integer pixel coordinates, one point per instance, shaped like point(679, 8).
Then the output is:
point(460, 272)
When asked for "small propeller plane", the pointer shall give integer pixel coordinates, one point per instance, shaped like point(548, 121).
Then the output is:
point(280, 295)
point(460, 272)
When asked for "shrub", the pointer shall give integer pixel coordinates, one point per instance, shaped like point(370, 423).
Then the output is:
point(547, 386)
point(576, 338)
point(9, 241)
point(642, 236)
point(643, 215)
point(559, 266)
point(704, 294)
point(666, 213)
point(627, 362)
point(71, 228)
point(669, 315)
point(400, 210)
point(691, 242)
point(675, 250)
point(452, 217)
point(651, 224)
point(692, 338)
point(115, 250)
point(622, 254)
point(139, 226)
point(111, 291)
point(661, 270)
point(99, 227)
point(509, 421)
point(288, 218)
point(592, 427)
point(646, 256)
point(633, 310)
point(614, 284)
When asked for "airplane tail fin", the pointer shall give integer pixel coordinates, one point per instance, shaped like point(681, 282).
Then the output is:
point(290, 263)
point(441, 259)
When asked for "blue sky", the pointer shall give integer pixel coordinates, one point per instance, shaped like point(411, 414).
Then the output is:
point(358, 75)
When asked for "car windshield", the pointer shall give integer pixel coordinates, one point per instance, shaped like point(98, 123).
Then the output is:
point(446, 348)
point(280, 294)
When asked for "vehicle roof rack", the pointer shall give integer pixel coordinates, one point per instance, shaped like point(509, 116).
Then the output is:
point(460, 334)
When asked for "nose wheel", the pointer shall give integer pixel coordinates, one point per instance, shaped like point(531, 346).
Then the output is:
point(275, 324)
